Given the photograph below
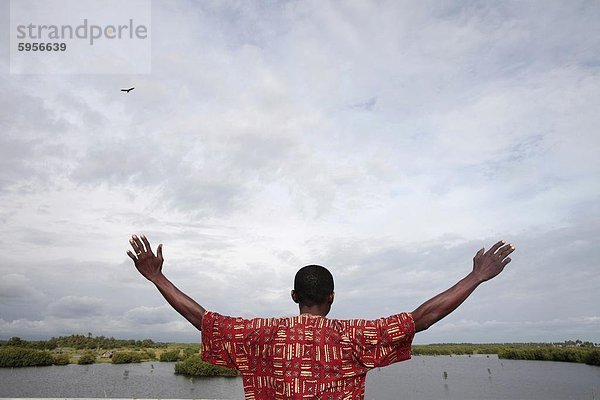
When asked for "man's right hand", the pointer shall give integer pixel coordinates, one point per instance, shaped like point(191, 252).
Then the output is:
point(149, 265)
point(488, 264)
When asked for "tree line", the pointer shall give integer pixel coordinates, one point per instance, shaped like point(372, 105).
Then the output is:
point(568, 351)
point(18, 352)
point(81, 342)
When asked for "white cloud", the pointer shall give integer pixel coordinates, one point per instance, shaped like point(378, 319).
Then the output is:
point(76, 307)
point(150, 315)
point(17, 287)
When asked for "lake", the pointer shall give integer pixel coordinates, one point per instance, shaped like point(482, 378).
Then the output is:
point(423, 377)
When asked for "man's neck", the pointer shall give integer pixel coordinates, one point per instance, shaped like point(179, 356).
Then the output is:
point(319, 310)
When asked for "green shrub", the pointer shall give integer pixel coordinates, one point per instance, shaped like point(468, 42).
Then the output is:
point(190, 351)
point(61, 359)
point(22, 357)
point(125, 357)
point(194, 366)
point(593, 357)
point(150, 354)
point(87, 358)
point(170, 356)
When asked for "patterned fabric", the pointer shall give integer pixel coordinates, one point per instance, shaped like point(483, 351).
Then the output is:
point(306, 356)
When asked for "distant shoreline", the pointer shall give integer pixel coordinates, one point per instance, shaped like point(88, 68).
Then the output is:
point(80, 349)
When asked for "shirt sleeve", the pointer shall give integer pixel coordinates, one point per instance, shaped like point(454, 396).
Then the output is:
point(384, 341)
point(231, 341)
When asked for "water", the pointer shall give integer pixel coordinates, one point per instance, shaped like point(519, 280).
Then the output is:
point(423, 377)
point(143, 380)
point(480, 377)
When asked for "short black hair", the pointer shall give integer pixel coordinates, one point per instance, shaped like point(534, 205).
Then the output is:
point(312, 285)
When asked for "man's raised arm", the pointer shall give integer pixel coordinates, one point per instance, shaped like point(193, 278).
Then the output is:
point(486, 265)
point(150, 266)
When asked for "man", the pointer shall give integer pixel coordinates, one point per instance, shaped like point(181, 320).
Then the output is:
point(310, 356)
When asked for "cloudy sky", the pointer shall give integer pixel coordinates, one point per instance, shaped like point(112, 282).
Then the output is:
point(386, 140)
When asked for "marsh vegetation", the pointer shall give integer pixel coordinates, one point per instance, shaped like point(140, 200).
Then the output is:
point(80, 349)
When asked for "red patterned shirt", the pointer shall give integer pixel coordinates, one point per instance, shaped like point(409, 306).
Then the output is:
point(306, 356)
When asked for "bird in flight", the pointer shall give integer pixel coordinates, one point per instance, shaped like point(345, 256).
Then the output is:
point(127, 90)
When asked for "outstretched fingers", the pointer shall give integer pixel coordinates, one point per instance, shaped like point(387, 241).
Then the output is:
point(144, 259)
point(501, 250)
point(130, 254)
point(506, 250)
point(139, 244)
point(137, 248)
point(159, 252)
point(140, 247)
point(502, 256)
point(147, 244)
point(495, 247)
point(489, 264)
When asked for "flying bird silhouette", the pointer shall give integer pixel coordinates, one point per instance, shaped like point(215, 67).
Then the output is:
point(127, 90)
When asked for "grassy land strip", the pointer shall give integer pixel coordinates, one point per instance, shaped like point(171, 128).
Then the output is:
point(588, 354)
point(21, 353)
point(80, 349)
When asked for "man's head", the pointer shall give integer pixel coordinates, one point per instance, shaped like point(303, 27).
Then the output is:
point(313, 287)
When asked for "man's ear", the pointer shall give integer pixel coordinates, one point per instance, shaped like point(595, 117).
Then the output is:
point(294, 296)
point(330, 298)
